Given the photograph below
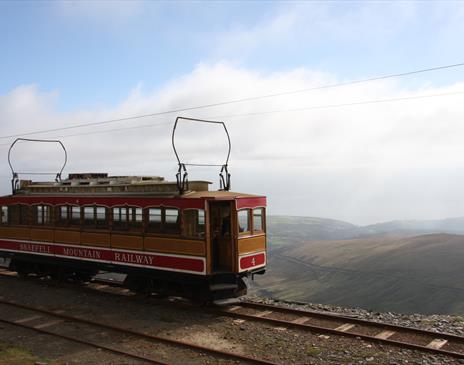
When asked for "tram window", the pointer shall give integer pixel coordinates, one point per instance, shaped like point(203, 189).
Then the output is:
point(154, 219)
point(62, 215)
point(135, 217)
point(171, 221)
point(138, 214)
point(19, 214)
point(46, 214)
point(201, 221)
point(258, 220)
point(42, 215)
point(75, 215)
point(4, 215)
point(100, 216)
point(12, 214)
point(119, 214)
point(120, 217)
point(172, 216)
point(194, 222)
point(89, 216)
point(243, 221)
point(23, 214)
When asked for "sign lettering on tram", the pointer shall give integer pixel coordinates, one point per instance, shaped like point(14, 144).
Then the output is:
point(82, 252)
point(30, 247)
point(132, 258)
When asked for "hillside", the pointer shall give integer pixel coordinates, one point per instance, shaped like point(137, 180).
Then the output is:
point(384, 272)
point(283, 230)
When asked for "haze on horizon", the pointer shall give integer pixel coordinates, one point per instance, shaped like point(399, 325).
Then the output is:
point(75, 62)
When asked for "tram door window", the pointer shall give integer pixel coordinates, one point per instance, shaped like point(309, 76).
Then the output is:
point(258, 224)
point(244, 221)
point(221, 237)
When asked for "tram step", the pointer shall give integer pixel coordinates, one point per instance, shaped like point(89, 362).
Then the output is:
point(217, 287)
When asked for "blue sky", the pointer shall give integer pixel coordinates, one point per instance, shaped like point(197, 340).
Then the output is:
point(93, 53)
point(82, 61)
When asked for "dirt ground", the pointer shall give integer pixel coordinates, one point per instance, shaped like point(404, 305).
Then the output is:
point(196, 325)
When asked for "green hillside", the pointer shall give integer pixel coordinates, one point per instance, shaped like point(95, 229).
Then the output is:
point(416, 274)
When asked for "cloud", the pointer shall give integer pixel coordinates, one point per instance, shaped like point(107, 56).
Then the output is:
point(25, 105)
point(361, 163)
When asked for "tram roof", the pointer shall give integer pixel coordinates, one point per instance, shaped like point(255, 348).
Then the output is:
point(102, 185)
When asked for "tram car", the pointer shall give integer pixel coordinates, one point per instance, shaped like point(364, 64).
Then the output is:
point(169, 237)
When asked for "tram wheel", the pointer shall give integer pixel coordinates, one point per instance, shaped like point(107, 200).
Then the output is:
point(21, 268)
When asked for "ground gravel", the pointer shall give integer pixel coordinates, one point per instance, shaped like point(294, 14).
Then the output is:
point(195, 324)
point(453, 324)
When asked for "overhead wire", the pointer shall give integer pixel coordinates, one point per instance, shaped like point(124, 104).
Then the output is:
point(314, 107)
point(328, 106)
point(234, 101)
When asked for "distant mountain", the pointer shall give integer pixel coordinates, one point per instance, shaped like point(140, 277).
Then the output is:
point(449, 225)
point(386, 267)
point(291, 229)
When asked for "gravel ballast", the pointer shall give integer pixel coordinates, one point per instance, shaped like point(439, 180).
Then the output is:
point(278, 344)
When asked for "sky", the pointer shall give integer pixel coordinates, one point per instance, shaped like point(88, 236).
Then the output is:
point(73, 62)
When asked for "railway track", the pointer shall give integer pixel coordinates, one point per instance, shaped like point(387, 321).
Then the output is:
point(321, 323)
point(48, 318)
point(334, 324)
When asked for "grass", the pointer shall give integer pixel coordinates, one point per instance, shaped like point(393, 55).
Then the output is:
point(12, 355)
point(312, 351)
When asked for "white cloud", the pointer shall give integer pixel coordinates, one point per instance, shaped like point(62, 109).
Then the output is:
point(360, 163)
point(25, 107)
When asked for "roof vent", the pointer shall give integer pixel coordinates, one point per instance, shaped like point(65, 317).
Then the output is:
point(88, 175)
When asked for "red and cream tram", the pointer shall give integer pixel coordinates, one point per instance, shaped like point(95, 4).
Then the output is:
point(168, 237)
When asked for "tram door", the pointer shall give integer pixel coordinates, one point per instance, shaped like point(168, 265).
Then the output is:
point(221, 236)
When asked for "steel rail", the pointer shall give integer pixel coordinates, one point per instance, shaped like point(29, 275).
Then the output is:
point(364, 322)
point(84, 342)
point(143, 335)
point(334, 331)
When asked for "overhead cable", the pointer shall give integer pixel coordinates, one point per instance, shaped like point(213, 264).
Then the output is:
point(314, 107)
point(234, 101)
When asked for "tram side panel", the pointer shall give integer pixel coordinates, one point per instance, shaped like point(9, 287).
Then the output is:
point(148, 250)
point(123, 250)
point(185, 256)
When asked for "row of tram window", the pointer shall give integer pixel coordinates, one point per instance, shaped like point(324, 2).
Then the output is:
point(188, 222)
